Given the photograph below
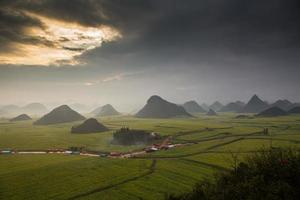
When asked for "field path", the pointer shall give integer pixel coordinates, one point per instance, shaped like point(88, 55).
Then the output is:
point(236, 138)
point(101, 189)
point(205, 164)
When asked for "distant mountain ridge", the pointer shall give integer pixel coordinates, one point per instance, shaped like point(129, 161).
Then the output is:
point(156, 107)
point(254, 105)
point(107, 110)
point(283, 104)
point(22, 117)
point(216, 106)
point(96, 110)
point(295, 110)
point(193, 107)
point(35, 108)
point(10, 108)
point(233, 107)
point(32, 108)
point(205, 106)
point(272, 112)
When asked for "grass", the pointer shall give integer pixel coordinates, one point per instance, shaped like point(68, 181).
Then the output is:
point(152, 176)
point(24, 135)
point(61, 177)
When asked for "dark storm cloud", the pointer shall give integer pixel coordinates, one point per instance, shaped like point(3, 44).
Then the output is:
point(73, 49)
point(84, 12)
point(209, 28)
point(172, 26)
point(15, 17)
point(119, 13)
point(12, 27)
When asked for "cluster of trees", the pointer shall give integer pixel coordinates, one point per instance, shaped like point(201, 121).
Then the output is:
point(73, 148)
point(126, 136)
point(266, 131)
point(268, 175)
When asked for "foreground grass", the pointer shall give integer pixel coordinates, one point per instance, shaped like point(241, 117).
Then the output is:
point(75, 177)
point(61, 177)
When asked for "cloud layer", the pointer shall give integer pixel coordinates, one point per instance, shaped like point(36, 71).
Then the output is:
point(33, 38)
point(150, 29)
point(200, 49)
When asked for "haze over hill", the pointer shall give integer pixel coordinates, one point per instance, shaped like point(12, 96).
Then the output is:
point(216, 106)
point(10, 109)
point(96, 110)
point(32, 109)
point(254, 105)
point(107, 110)
point(193, 107)
point(205, 106)
point(22, 117)
point(79, 107)
point(233, 107)
point(295, 110)
point(272, 112)
point(211, 112)
point(35, 109)
point(156, 107)
point(283, 104)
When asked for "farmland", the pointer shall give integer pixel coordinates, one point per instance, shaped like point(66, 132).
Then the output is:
point(213, 144)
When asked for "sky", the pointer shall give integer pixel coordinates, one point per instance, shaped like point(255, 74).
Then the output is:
point(123, 51)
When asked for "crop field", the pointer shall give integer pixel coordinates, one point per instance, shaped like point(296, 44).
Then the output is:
point(209, 146)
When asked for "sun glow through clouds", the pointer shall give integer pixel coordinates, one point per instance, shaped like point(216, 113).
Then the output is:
point(59, 43)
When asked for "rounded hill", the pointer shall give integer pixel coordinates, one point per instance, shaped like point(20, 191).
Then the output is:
point(89, 126)
point(61, 114)
point(157, 107)
point(22, 117)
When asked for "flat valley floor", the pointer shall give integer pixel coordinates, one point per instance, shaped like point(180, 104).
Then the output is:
point(214, 144)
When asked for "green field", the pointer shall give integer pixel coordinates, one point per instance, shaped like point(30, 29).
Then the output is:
point(214, 143)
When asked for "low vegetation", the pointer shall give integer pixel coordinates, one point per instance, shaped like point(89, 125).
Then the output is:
point(268, 175)
point(126, 136)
